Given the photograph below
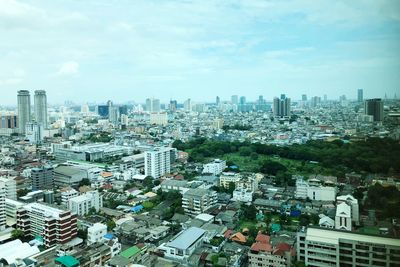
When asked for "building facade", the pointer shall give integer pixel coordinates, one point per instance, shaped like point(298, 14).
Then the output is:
point(82, 204)
point(40, 107)
point(318, 247)
point(53, 225)
point(24, 109)
point(196, 201)
point(42, 178)
point(158, 162)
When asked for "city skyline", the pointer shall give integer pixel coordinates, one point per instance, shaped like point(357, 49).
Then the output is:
point(184, 49)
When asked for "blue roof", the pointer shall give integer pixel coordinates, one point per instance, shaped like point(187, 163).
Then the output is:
point(137, 208)
point(109, 236)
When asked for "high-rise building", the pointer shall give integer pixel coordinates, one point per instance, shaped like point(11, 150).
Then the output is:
point(242, 100)
point(235, 99)
point(187, 105)
point(217, 100)
point(315, 101)
point(42, 178)
point(123, 110)
point(113, 115)
point(82, 204)
point(24, 109)
point(173, 105)
point(160, 118)
point(360, 95)
point(54, 226)
point(374, 107)
point(153, 105)
point(40, 107)
point(103, 111)
point(281, 106)
point(34, 132)
point(8, 123)
point(304, 97)
point(158, 161)
point(329, 247)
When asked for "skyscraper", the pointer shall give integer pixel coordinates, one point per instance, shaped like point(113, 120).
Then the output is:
point(24, 109)
point(153, 105)
point(374, 107)
point(235, 99)
point(217, 100)
point(360, 95)
point(281, 106)
point(304, 97)
point(40, 107)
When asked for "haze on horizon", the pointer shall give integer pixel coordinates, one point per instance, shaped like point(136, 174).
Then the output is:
point(91, 51)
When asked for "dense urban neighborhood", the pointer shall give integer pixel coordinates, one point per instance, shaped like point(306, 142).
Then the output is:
point(313, 182)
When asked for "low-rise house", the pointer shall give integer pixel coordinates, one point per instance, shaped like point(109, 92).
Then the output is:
point(183, 244)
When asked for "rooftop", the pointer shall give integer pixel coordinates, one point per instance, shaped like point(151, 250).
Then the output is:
point(186, 238)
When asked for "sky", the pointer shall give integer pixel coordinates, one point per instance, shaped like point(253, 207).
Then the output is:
point(128, 50)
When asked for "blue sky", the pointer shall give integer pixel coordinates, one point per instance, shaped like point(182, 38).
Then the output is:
point(89, 51)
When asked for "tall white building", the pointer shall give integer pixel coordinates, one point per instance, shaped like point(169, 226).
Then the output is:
point(24, 109)
point(113, 114)
point(34, 132)
point(96, 233)
point(81, 205)
point(158, 162)
point(40, 107)
point(216, 167)
point(187, 105)
point(67, 194)
point(10, 187)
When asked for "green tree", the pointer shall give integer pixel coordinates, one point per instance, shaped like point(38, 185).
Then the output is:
point(249, 212)
point(17, 234)
point(84, 181)
point(148, 182)
point(110, 225)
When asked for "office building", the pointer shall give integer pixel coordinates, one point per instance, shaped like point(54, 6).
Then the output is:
point(217, 100)
point(34, 132)
point(96, 233)
point(81, 205)
point(66, 194)
point(12, 206)
point(374, 107)
point(153, 105)
point(196, 201)
point(10, 186)
point(52, 225)
point(281, 106)
point(328, 247)
point(103, 111)
point(123, 110)
point(42, 178)
point(24, 109)
point(360, 95)
point(40, 107)
point(158, 161)
point(315, 101)
point(304, 97)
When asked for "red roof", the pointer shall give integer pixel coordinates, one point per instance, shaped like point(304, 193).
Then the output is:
point(282, 248)
point(263, 238)
point(264, 247)
point(228, 233)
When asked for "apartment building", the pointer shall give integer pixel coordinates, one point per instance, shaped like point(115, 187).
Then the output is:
point(81, 205)
point(2, 207)
point(42, 178)
point(216, 167)
point(196, 201)
point(53, 225)
point(158, 161)
point(318, 247)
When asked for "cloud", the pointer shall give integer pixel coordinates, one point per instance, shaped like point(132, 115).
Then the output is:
point(69, 68)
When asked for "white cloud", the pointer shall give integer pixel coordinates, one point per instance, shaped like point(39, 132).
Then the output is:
point(69, 68)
